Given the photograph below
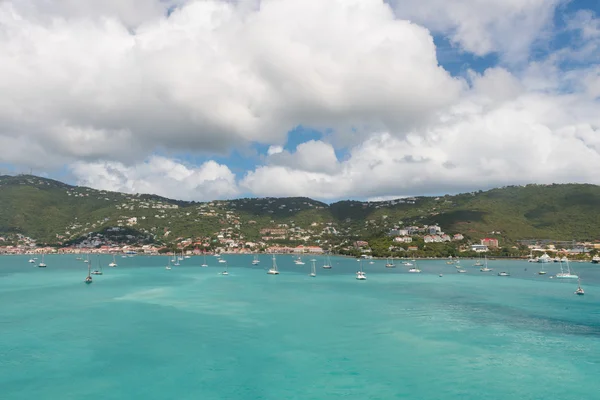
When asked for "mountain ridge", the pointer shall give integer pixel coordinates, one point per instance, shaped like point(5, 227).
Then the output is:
point(56, 212)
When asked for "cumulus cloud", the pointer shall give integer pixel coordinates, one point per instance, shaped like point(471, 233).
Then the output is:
point(159, 175)
point(481, 27)
point(210, 76)
point(499, 134)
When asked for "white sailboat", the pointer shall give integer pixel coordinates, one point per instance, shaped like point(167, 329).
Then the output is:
point(42, 264)
point(542, 271)
point(313, 271)
point(414, 269)
point(566, 275)
point(299, 261)
point(225, 272)
point(32, 261)
point(113, 263)
point(390, 264)
point(205, 264)
point(97, 271)
point(360, 275)
point(327, 263)
point(256, 261)
point(273, 270)
point(579, 291)
point(88, 278)
point(176, 259)
point(485, 267)
point(168, 267)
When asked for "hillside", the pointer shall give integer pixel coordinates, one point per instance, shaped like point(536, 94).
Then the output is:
point(53, 212)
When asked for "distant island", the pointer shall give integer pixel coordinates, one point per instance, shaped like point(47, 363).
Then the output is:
point(44, 215)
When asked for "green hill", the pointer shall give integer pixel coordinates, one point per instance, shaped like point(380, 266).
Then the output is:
point(53, 212)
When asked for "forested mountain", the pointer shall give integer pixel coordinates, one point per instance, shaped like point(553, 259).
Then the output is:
point(54, 212)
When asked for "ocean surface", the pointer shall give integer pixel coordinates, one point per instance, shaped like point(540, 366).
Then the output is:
point(143, 332)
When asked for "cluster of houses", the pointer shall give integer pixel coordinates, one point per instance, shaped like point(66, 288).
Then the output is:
point(429, 233)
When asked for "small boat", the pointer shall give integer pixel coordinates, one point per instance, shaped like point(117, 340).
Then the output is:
point(408, 264)
point(42, 264)
point(273, 270)
point(414, 269)
point(327, 263)
point(441, 275)
point(299, 261)
point(32, 261)
point(256, 261)
point(485, 267)
point(222, 261)
point(113, 263)
point(568, 274)
point(503, 273)
point(360, 275)
point(168, 267)
point(97, 271)
point(461, 271)
point(88, 278)
point(579, 291)
point(596, 260)
point(205, 264)
point(371, 262)
point(390, 264)
point(225, 272)
point(186, 257)
point(313, 271)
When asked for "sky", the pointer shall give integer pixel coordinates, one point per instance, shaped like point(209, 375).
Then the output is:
point(329, 99)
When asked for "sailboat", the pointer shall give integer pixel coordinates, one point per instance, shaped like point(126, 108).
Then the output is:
point(360, 275)
point(225, 272)
point(273, 270)
point(478, 262)
point(414, 269)
point(176, 260)
point(299, 261)
point(113, 263)
point(88, 278)
point(579, 291)
point(541, 271)
point(205, 264)
point(32, 261)
point(389, 264)
point(313, 271)
point(485, 267)
point(168, 267)
point(566, 275)
point(256, 261)
point(97, 271)
point(42, 264)
point(222, 260)
point(327, 263)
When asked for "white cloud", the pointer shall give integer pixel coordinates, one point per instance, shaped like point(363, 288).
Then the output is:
point(159, 175)
point(484, 26)
point(274, 150)
point(130, 12)
point(499, 134)
point(211, 76)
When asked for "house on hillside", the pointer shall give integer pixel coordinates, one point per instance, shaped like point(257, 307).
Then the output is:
point(480, 248)
point(490, 242)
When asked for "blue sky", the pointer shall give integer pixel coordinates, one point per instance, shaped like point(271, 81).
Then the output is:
point(324, 99)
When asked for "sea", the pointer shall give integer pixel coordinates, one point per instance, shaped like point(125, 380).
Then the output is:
point(140, 331)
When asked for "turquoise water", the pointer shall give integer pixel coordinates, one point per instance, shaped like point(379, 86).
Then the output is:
point(141, 332)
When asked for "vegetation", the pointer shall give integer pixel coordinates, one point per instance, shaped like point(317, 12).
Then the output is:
point(53, 212)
